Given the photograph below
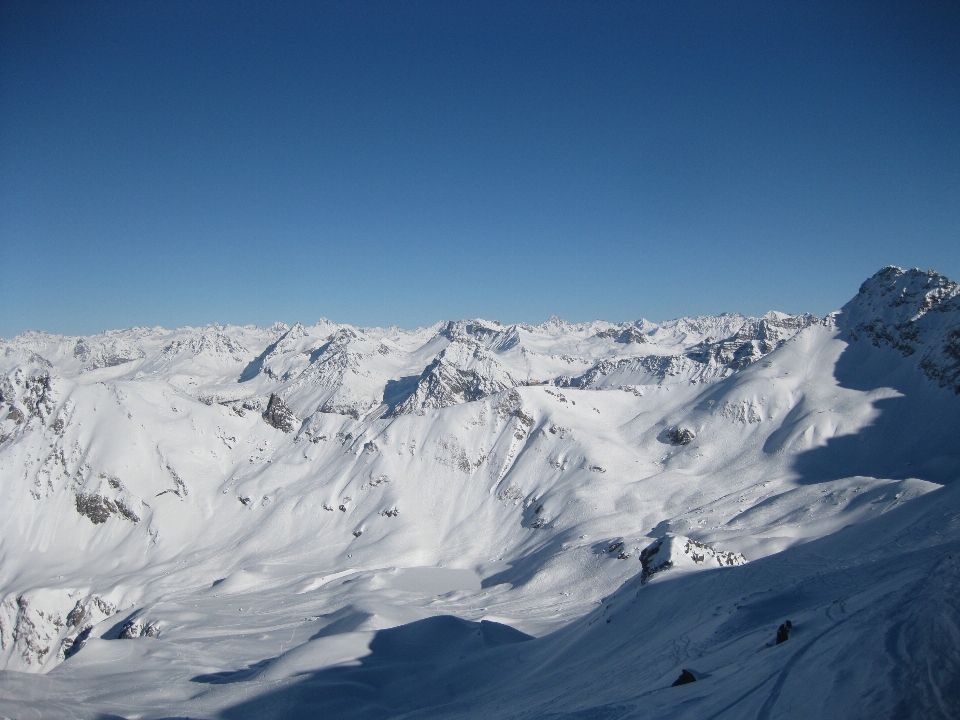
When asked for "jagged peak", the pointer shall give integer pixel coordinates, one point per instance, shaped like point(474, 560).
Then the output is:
point(903, 295)
point(910, 311)
point(553, 325)
point(296, 332)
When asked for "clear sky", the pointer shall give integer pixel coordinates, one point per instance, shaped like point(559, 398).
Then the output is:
point(181, 163)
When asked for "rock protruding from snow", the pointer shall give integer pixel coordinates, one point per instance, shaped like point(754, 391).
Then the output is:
point(41, 628)
point(463, 372)
point(279, 415)
point(98, 509)
point(137, 628)
point(753, 340)
point(783, 632)
point(686, 677)
point(681, 436)
point(705, 361)
point(915, 312)
point(682, 553)
point(624, 335)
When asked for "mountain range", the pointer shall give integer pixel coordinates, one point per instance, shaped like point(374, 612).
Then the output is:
point(709, 517)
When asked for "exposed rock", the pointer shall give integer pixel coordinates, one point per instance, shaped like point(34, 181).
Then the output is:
point(752, 341)
point(71, 646)
point(658, 367)
point(631, 335)
point(783, 632)
point(685, 678)
point(81, 351)
point(137, 628)
point(37, 631)
point(676, 551)
point(211, 340)
point(681, 436)
point(38, 396)
point(625, 335)
point(511, 405)
point(913, 312)
point(463, 372)
point(99, 508)
point(279, 415)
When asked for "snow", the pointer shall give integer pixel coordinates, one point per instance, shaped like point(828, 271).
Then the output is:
point(455, 523)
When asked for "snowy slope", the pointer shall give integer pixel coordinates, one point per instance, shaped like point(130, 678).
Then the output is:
point(233, 521)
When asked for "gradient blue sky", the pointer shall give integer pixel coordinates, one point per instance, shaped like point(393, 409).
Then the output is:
point(180, 163)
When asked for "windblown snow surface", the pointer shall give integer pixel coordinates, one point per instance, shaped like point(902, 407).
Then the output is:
point(475, 520)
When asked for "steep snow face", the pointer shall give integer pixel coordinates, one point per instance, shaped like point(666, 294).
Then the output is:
point(234, 508)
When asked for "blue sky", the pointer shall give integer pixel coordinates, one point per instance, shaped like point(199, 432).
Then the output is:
point(181, 163)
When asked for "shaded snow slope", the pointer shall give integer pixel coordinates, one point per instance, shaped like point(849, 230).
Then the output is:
point(239, 521)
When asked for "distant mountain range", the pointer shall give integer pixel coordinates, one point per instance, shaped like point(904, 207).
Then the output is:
point(486, 520)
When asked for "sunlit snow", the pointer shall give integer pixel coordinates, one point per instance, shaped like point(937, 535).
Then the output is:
point(481, 520)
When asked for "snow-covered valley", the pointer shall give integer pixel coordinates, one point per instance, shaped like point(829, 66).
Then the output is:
point(482, 520)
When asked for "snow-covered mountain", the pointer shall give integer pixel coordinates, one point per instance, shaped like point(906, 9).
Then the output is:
point(483, 520)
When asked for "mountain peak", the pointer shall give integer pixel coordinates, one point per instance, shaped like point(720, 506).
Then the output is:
point(912, 311)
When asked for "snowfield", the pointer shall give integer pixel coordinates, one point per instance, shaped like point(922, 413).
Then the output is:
point(475, 520)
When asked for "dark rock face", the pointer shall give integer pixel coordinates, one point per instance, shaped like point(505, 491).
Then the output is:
point(783, 632)
point(631, 335)
point(38, 396)
point(685, 678)
point(71, 646)
point(681, 436)
point(99, 508)
point(647, 562)
point(279, 415)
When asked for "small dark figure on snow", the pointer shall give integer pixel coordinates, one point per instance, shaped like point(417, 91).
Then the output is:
point(783, 632)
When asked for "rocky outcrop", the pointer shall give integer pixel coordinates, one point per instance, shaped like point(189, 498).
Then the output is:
point(625, 335)
point(98, 509)
point(651, 369)
point(40, 629)
point(211, 341)
point(752, 341)
point(279, 415)
point(100, 497)
point(137, 628)
point(463, 372)
point(783, 632)
point(681, 436)
point(679, 552)
point(915, 312)
point(686, 677)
